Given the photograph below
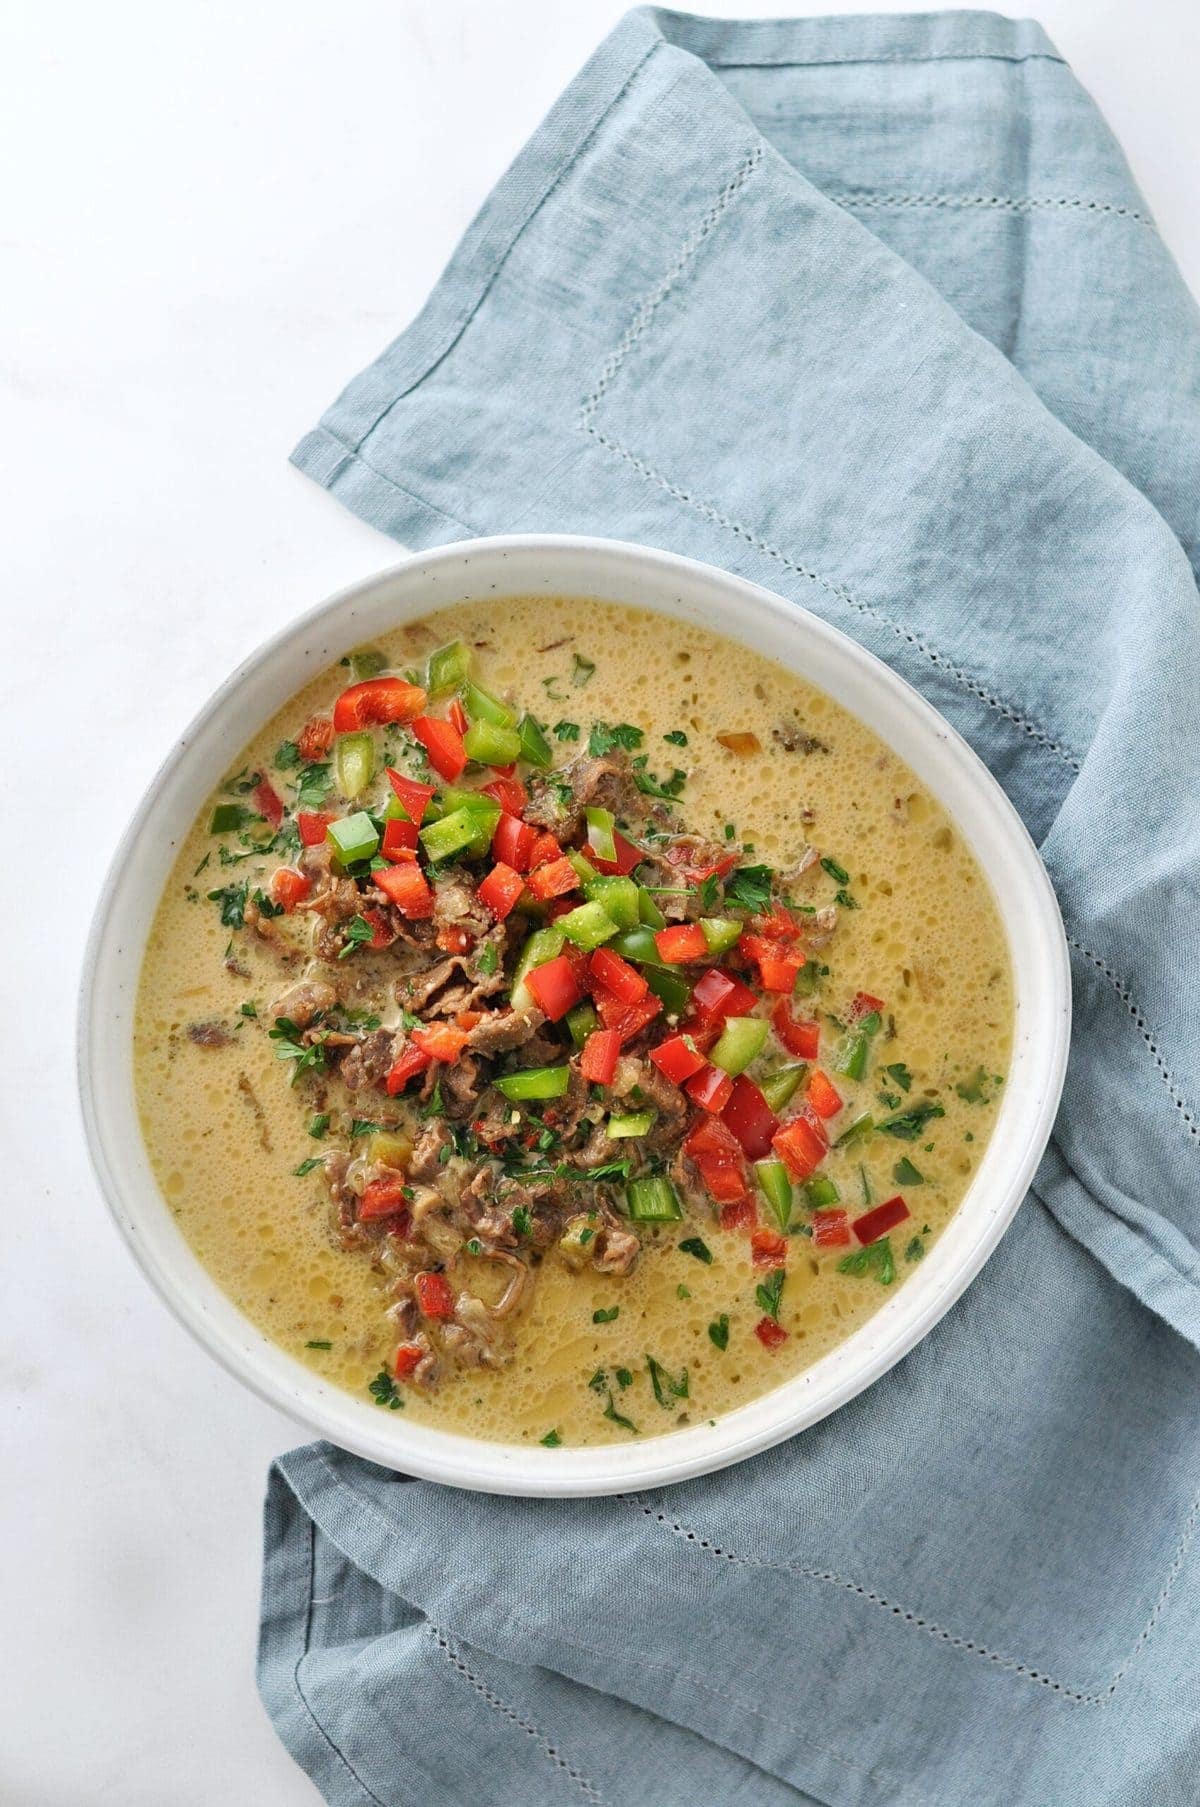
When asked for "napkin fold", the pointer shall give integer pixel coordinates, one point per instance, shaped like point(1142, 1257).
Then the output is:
point(871, 311)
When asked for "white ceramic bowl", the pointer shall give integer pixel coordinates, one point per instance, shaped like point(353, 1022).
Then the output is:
point(486, 571)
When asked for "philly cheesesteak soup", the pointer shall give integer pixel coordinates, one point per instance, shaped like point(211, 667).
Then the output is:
point(564, 1024)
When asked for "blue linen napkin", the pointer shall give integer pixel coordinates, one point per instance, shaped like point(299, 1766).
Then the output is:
point(870, 310)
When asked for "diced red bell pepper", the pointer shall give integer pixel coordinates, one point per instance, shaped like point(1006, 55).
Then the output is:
point(768, 1248)
point(799, 1035)
point(407, 1357)
point(780, 925)
point(456, 715)
point(554, 987)
point(725, 1183)
point(452, 938)
point(444, 745)
point(383, 1197)
point(616, 975)
point(377, 700)
point(740, 1215)
point(601, 1050)
point(863, 1005)
point(554, 879)
point(315, 739)
point(383, 934)
point(710, 1088)
point(501, 889)
point(750, 1118)
point(822, 1095)
point(830, 1229)
point(718, 994)
point(441, 1041)
point(801, 1145)
point(508, 792)
point(709, 1139)
point(406, 886)
point(412, 797)
point(627, 857)
point(289, 888)
point(682, 941)
point(513, 842)
point(434, 1297)
point(777, 966)
point(409, 1062)
point(874, 1224)
point(680, 855)
point(704, 1031)
point(312, 826)
point(627, 1019)
point(545, 849)
point(267, 802)
point(399, 840)
point(676, 1060)
point(769, 1333)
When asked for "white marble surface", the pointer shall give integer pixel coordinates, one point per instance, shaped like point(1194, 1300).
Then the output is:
point(213, 213)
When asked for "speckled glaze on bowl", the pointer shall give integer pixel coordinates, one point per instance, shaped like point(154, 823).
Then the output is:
point(485, 571)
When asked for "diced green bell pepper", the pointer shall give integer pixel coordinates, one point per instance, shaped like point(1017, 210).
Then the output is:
point(584, 870)
point(639, 945)
point(808, 980)
point(648, 910)
point(581, 1022)
point(226, 817)
point(448, 667)
point(482, 706)
point(776, 1183)
point(535, 748)
point(543, 944)
point(367, 662)
point(588, 926)
point(601, 831)
point(821, 1191)
point(488, 743)
point(780, 1087)
point(851, 1055)
point(637, 1123)
point(861, 1126)
point(721, 933)
point(619, 897)
point(443, 839)
point(653, 1200)
point(353, 837)
point(353, 763)
point(534, 1083)
point(484, 811)
point(669, 984)
point(742, 1040)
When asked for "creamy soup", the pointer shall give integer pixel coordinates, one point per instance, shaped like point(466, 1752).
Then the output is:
point(564, 1025)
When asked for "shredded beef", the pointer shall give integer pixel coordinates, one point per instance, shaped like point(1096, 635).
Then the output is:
point(301, 1003)
point(369, 1062)
point(504, 1030)
point(209, 1035)
point(425, 1163)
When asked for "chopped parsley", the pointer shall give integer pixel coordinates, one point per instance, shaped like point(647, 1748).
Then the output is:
point(749, 888)
point(522, 1223)
point(877, 1257)
point(900, 1074)
point(611, 1412)
point(667, 1389)
point(676, 738)
point(905, 1174)
point(566, 730)
point(232, 899)
point(489, 958)
point(363, 1126)
point(770, 1292)
point(915, 1249)
point(307, 1166)
point(384, 1391)
point(287, 755)
point(551, 1440)
point(718, 1332)
point(608, 1316)
point(318, 1343)
point(312, 786)
point(908, 1126)
point(357, 931)
point(318, 1125)
point(836, 872)
point(290, 1047)
point(582, 671)
point(695, 1245)
point(604, 737)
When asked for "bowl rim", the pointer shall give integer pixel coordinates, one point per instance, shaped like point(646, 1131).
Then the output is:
point(144, 1219)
